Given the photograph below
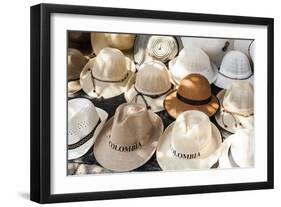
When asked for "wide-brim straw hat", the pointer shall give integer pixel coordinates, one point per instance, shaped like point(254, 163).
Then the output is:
point(121, 161)
point(196, 96)
point(209, 155)
point(84, 147)
point(106, 89)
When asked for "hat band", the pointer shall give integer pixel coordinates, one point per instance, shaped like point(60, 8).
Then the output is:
point(109, 81)
point(124, 148)
point(156, 95)
point(85, 139)
point(226, 76)
point(232, 161)
point(187, 156)
point(234, 116)
point(194, 102)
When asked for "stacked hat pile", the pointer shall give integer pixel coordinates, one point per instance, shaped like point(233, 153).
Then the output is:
point(147, 102)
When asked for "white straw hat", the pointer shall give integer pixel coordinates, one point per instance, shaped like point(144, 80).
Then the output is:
point(192, 60)
point(214, 47)
point(107, 75)
point(235, 66)
point(237, 106)
point(191, 142)
point(85, 121)
point(238, 150)
point(151, 86)
point(242, 46)
point(161, 48)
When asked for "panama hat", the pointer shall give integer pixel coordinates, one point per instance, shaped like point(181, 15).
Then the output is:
point(75, 64)
point(191, 142)
point(108, 75)
point(235, 66)
point(237, 107)
point(123, 42)
point(238, 150)
point(193, 93)
point(129, 139)
point(215, 48)
point(242, 46)
point(151, 86)
point(85, 121)
point(153, 47)
point(193, 60)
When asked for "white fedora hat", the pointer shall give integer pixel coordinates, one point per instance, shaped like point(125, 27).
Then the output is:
point(153, 47)
point(214, 47)
point(192, 60)
point(152, 85)
point(238, 150)
point(242, 46)
point(235, 66)
point(191, 142)
point(107, 75)
point(237, 106)
point(85, 121)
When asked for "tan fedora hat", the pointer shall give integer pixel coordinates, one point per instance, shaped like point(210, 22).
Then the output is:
point(75, 63)
point(107, 75)
point(193, 93)
point(191, 142)
point(123, 42)
point(129, 139)
point(237, 106)
point(152, 85)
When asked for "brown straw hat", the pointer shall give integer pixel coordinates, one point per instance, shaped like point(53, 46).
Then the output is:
point(193, 93)
point(129, 139)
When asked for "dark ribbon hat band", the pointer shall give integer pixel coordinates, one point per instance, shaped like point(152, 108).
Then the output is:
point(193, 102)
point(235, 78)
point(153, 96)
point(109, 81)
point(84, 140)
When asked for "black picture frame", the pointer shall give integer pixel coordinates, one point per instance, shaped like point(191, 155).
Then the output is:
point(41, 102)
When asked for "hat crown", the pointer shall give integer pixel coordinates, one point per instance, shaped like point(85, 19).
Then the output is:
point(191, 132)
point(239, 97)
point(120, 41)
point(235, 64)
point(82, 119)
point(75, 63)
point(109, 65)
point(162, 48)
point(153, 78)
point(195, 87)
point(131, 124)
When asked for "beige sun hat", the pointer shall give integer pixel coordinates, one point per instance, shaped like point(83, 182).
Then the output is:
point(191, 142)
point(152, 85)
point(238, 150)
point(237, 106)
point(215, 48)
point(75, 63)
point(107, 75)
point(85, 121)
point(123, 42)
point(192, 60)
point(129, 139)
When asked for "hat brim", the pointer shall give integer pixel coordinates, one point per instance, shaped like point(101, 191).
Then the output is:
point(224, 161)
point(106, 89)
point(83, 149)
point(211, 75)
point(73, 87)
point(175, 107)
point(208, 157)
point(224, 82)
point(126, 161)
point(247, 122)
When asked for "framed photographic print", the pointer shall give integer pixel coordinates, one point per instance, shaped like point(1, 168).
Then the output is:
point(132, 103)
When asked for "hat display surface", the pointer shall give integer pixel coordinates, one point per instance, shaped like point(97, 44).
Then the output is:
point(237, 106)
point(191, 142)
point(152, 47)
point(235, 66)
point(108, 75)
point(75, 64)
point(238, 150)
point(85, 121)
point(151, 86)
point(129, 139)
point(192, 60)
point(215, 48)
point(193, 93)
point(242, 46)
